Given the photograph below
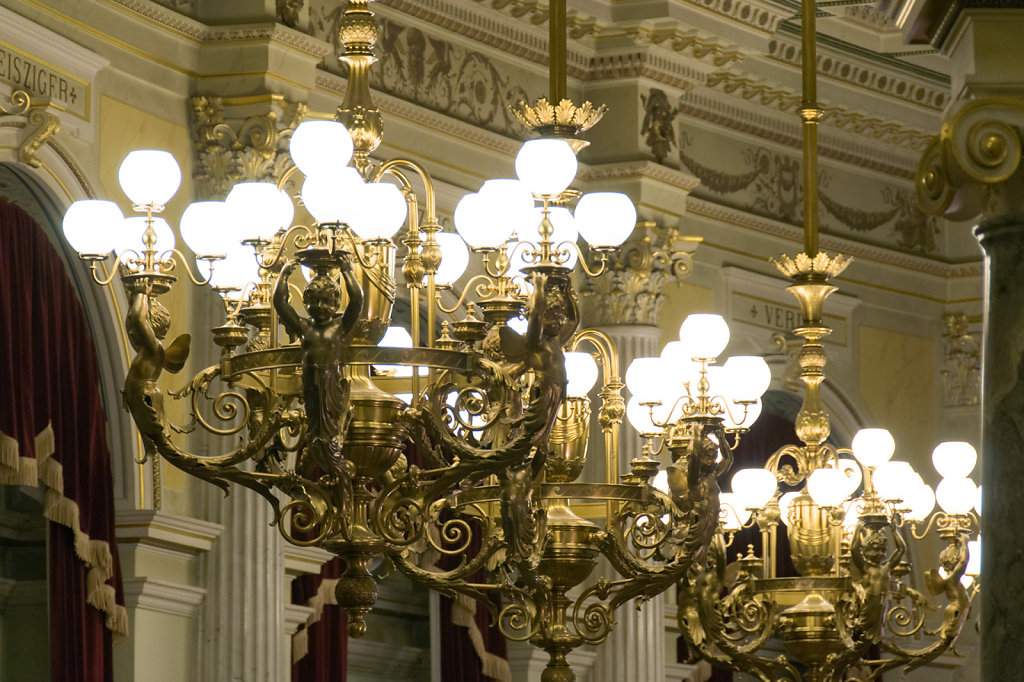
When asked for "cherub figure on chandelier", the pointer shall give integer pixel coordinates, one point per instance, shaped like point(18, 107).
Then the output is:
point(146, 324)
point(326, 335)
point(873, 565)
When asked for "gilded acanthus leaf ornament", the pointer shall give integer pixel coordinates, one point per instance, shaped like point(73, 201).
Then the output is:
point(564, 116)
point(820, 265)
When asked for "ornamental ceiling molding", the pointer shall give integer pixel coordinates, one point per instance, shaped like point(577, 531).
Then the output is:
point(784, 131)
point(787, 100)
point(178, 23)
point(579, 26)
point(906, 261)
point(426, 117)
point(640, 169)
point(760, 16)
point(687, 42)
point(850, 65)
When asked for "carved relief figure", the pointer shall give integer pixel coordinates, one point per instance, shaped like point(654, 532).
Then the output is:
point(659, 115)
point(325, 335)
point(147, 324)
point(693, 483)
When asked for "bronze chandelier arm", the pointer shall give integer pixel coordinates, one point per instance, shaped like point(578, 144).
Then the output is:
point(452, 582)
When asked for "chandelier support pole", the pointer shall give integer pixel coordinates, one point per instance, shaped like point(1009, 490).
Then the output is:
point(559, 51)
point(810, 114)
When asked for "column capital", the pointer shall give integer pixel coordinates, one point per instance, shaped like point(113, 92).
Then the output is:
point(973, 165)
point(631, 291)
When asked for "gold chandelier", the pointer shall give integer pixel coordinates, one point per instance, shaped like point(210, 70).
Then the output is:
point(473, 435)
point(850, 613)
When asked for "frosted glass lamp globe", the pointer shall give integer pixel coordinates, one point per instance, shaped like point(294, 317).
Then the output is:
point(645, 378)
point(149, 177)
point(639, 417)
point(749, 376)
point(706, 335)
point(205, 227)
point(973, 558)
point(320, 147)
point(508, 206)
point(546, 166)
point(129, 237)
point(259, 209)
point(605, 219)
point(920, 501)
point(892, 479)
point(90, 226)
point(956, 495)
point(754, 487)
point(472, 224)
point(330, 198)
point(454, 258)
point(873, 447)
point(234, 272)
point(827, 487)
point(380, 211)
point(954, 459)
point(581, 371)
point(852, 472)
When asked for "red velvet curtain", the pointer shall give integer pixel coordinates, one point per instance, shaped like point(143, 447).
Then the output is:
point(49, 380)
point(327, 650)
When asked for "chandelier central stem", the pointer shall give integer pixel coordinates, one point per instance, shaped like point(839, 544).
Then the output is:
point(810, 113)
point(558, 63)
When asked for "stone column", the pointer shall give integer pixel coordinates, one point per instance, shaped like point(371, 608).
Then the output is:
point(973, 168)
point(244, 635)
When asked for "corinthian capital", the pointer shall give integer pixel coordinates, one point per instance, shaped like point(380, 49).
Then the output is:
point(631, 291)
point(971, 167)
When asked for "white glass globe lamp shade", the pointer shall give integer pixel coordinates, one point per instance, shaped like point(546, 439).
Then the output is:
point(639, 417)
point(149, 177)
point(919, 502)
point(581, 371)
point(91, 226)
point(546, 166)
point(973, 558)
point(380, 211)
point(454, 258)
point(320, 147)
point(785, 500)
point(754, 487)
point(508, 208)
point(827, 487)
point(956, 495)
point(749, 376)
point(678, 361)
point(331, 198)
point(234, 272)
point(977, 504)
point(706, 335)
point(893, 478)
point(645, 378)
point(852, 472)
point(873, 447)
point(259, 209)
point(954, 459)
point(733, 514)
point(129, 237)
point(605, 219)
point(206, 228)
point(473, 222)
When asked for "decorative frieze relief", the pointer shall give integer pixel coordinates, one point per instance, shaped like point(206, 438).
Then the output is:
point(762, 17)
point(771, 185)
point(232, 149)
point(579, 26)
